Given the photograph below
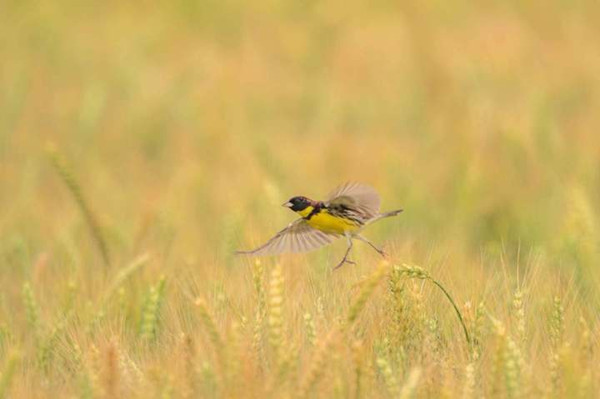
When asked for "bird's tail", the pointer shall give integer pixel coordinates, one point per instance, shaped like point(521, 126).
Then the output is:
point(386, 215)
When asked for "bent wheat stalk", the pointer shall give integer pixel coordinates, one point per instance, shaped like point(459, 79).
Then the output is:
point(420, 273)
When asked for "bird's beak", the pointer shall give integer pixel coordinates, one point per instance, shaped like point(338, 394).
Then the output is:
point(287, 204)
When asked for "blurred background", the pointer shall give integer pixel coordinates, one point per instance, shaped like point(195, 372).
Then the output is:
point(186, 124)
point(197, 119)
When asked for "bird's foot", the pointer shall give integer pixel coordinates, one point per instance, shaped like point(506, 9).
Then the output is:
point(344, 260)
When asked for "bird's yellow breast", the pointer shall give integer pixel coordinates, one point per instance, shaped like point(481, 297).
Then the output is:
point(328, 223)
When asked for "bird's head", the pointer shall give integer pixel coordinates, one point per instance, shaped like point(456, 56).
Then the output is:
point(298, 204)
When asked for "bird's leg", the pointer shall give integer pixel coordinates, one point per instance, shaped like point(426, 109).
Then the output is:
point(379, 250)
point(345, 258)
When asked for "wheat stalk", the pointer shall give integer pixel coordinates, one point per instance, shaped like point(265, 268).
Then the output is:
point(111, 372)
point(31, 308)
point(258, 333)
point(317, 365)
point(368, 286)
point(68, 177)
point(276, 314)
point(417, 272)
point(322, 353)
point(469, 385)
point(189, 355)
point(557, 329)
point(151, 310)
point(519, 314)
point(389, 377)
point(211, 328)
point(311, 331)
point(357, 359)
point(124, 273)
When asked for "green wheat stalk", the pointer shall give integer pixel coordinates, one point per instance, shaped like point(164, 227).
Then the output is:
point(65, 172)
point(31, 308)
point(421, 274)
point(151, 311)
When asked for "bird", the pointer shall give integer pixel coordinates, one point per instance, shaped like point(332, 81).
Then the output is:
point(349, 208)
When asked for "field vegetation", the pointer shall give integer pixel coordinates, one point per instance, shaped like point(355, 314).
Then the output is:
point(141, 144)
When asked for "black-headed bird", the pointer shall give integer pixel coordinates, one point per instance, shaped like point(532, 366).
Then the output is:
point(347, 211)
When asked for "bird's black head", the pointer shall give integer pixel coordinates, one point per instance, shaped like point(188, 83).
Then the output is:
point(298, 204)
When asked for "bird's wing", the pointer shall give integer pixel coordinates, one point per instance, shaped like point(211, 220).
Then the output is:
point(356, 196)
point(298, 236)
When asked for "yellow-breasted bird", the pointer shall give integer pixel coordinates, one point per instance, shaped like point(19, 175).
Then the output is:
point(347, 211)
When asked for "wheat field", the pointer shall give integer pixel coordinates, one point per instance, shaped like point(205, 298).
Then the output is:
point(142, 143)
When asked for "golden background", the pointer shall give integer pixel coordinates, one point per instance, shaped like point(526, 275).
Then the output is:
point(185, 125)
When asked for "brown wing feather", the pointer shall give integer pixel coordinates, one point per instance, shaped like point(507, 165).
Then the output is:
point(358, 196)
point(296, 237)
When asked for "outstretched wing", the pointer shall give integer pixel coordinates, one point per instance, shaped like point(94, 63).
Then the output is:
point(356, 196)
point(298, 236)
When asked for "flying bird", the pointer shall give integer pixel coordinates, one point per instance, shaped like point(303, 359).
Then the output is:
point(347, 211)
